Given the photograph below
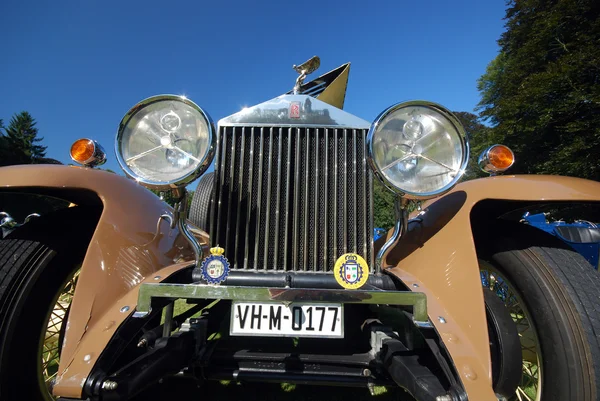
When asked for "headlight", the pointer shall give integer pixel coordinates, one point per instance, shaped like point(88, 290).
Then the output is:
point(165, 141)
point(418, 149)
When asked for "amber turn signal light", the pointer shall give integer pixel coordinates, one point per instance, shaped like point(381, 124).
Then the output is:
point(87, 153)
point(496, 159)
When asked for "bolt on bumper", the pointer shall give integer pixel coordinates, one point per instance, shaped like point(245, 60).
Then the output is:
point(149, 291)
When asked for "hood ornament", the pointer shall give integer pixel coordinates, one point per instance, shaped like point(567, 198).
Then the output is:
point(304, 69)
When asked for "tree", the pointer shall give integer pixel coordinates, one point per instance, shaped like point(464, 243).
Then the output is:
point(167, 196)
point(383, 205)
point(20, 144)
point(542, 92)
point(480, 137)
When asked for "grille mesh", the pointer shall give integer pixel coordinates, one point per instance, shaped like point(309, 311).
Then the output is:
point(292, 199)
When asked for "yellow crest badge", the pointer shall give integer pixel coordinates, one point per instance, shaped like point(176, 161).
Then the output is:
point(351, 271)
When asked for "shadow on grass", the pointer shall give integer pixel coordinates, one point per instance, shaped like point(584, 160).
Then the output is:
point(183, 390)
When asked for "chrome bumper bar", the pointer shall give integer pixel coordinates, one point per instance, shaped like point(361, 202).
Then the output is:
point(149, 291)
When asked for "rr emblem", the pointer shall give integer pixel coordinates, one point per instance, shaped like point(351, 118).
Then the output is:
point(295, 110)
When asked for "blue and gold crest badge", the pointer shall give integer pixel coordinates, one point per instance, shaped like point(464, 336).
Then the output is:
point(215, 267)
point(351, 271)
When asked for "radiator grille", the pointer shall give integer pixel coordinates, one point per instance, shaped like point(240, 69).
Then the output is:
point(292, 199)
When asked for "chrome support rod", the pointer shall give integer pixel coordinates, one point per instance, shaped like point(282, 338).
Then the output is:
point(167, 327)
point(179, 219)
point(401, 213)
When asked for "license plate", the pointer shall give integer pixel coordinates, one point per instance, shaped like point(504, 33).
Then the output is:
point(294, 320)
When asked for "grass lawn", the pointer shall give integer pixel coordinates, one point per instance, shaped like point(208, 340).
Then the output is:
point(181, 389)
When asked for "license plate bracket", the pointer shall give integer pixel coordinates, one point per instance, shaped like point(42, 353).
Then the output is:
point(278, 319)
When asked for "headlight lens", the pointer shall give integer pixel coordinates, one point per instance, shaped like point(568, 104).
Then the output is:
point(165, 141)
point(418, 149)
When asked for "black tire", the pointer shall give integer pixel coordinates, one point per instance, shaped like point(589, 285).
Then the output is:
point(562, 297)
point(200, 209)
point(36, 261)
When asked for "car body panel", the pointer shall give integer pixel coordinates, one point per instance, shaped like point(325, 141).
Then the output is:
point(438, 255)
point(130, 244)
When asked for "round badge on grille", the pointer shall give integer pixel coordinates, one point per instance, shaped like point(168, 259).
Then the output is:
point(215, 268)
point(351, 271)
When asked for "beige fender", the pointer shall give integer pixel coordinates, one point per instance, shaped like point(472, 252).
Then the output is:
point(437, 256)
point(131, 244)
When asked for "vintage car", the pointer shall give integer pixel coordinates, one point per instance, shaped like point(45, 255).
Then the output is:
point(581, 235)
point(277, 268)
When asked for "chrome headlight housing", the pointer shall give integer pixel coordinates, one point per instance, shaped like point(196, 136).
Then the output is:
point(418, 149)
point(165, 141)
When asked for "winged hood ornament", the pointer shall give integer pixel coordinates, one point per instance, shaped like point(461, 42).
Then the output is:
point(329, 87)
point(308, 67)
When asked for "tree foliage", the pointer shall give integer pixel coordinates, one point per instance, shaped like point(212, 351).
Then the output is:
point(20, 143)
point(542, 92)
point(167, 197)
point(383, 205)
point(480, 137)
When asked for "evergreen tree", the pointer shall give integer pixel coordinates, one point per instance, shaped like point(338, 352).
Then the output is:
point(542, 92)
point(20, 144)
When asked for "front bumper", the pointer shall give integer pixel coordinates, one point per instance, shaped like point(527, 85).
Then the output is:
point(150, 291)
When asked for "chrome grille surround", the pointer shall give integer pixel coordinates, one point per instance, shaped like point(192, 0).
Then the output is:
point(292, 197)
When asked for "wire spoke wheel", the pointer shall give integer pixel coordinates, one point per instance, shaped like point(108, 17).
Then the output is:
point(530, 386)
point(52, 335)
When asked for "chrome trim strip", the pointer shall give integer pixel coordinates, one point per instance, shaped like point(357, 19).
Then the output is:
point(150, 291)
point(250, 185)
point(222, 176)
point(335, 194)
point(313, 113)
point(345, 220)
point(277, 204)
point(214, 206)
point(371, 224)
point(316, 198)
point(231, 204)
point(364, 195)
point(306, 182)
point(296, 214)
point(354, 187)
point(326, 197)
point(241, 195)
point(287, 198)
point(259, 190)
point(268, 216)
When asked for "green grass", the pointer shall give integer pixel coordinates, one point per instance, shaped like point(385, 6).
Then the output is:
point(293, 392)
point(230, 390)
point(181, 306)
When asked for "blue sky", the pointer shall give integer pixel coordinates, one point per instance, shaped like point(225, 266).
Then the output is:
point(78, 66)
